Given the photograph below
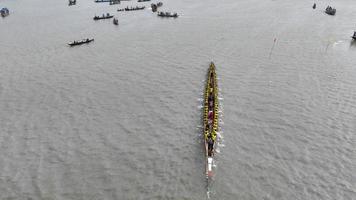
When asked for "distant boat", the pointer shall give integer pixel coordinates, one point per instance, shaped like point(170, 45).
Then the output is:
point(167, 14)
point(115, 21)
point(4, 12)
point(72, 2)
point(155, 6)
point(330, 11)
point(102, 1)
point(354, 36)
point(314, 6)
point(134, 8)
point(113, 2)
point(84, 41)
point(119, 10)
point(107, 16)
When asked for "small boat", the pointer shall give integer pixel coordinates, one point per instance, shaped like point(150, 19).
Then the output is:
point(167, 14)
point(107, 16)
point(143, 0)
point(314, 6)
point(330, 11)
point(134, 8)
point(155, 6)
point(72, 2)
point(102, 1)
point(4, 12)
point(210, 120)
point(115, 21)
point(113, 2)
point(354, 36)
point(84, 41)
point(119, 10)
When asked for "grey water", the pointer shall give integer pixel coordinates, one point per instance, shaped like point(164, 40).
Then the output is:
point(119, 118)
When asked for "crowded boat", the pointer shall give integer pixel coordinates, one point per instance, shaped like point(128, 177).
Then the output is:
point(210, 120)
point(107, 16)
point(84, 41)
point(134, 8)
point(167, 14)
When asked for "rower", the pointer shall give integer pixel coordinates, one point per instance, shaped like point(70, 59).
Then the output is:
point(210, 98)
point(210, 145)
point(210, 115)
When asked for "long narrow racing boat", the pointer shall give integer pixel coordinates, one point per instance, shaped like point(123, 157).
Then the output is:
point(211, 115)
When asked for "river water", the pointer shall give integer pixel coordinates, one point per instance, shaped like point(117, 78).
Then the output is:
point(120, 118)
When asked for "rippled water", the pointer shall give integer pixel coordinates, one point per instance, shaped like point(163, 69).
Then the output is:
point(119, 118)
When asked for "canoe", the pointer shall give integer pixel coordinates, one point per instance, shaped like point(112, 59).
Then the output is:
point(211, 117)
point(134, 8)
point(85, 41)
point(167, 14)
point(103, 17)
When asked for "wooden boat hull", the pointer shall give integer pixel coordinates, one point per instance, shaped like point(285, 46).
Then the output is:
point(162, 14)
point(99, 18)
point(136, 8)
point(210, 119)
point(80, 43)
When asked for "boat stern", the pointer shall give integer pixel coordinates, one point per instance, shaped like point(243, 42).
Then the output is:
point(210, 167)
